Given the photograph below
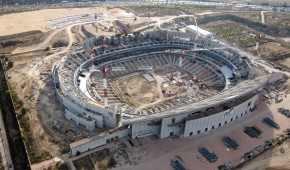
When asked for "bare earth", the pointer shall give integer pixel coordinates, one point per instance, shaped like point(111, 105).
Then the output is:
point(161, 151)
point(36, 20)
point(272, 159)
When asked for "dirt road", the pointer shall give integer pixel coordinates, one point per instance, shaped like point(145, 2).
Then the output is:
point(263, 16)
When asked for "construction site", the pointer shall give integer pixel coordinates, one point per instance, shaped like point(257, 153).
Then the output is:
point(116, 87)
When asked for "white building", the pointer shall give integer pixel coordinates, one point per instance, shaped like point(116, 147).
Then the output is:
point(197, 30)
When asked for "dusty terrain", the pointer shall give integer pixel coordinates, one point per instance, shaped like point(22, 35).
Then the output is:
point(36, 20)
point(9, 45)
point(187, 148)
point(137, 90)
point(272, 160)
point(257, 1)
point(153, 153)
point(51, 132)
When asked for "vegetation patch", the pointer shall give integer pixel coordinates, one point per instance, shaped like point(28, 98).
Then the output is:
point(273, 30)
point(101, 160)
point(235, 33)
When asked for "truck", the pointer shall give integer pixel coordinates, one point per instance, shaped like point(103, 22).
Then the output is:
point(286, 112)
point(251, 132)
point(271, 123)
point(230, 142)
point(257, 129)
point(210, 156)
point(177, 165)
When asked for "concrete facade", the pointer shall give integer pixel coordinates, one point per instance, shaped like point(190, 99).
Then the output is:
point(208, 123)
point(83, 96)
point(170, 126)
point(96, 141)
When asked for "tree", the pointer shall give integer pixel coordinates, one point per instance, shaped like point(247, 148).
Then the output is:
point(47, 48)
point(2, 56)
point(23, 110)
point(10, 64)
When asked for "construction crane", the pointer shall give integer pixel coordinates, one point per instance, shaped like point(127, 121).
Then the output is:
point(197, 33)
point(193, 50)
point(105, 86)
point(106, 70)
point(258, 39)
point(92, 60)
point(205, 72)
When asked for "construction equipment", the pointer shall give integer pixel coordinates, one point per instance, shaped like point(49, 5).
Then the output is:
point(251, 132)
point(177, 165)
point(271, 123)
point(230, 142)
point(210, 156)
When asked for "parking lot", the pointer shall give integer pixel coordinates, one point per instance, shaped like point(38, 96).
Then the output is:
point(185, 150)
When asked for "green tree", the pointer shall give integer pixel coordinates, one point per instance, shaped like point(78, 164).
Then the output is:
point(47, 48)
point(2, 56)
point(10, 64)
point(23, 110)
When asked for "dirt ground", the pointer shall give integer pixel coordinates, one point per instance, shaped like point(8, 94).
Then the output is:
point(59, 40)
point(257, 1)
point(159, 152)
point(31, 78)
point(273, 51)
point(36, 20)
point(274, 159)
point(284, 62)
point(137, 90)
point(7, 46)
point(100, 160)
point(91, 29)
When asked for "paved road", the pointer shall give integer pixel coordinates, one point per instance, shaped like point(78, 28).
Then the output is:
point(4, 147)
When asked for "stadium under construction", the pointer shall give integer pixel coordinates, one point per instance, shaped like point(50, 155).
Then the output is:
point(163, 83)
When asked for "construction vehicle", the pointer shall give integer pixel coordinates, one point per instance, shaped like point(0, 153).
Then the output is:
point(271, 123)
point(285, 112)
point(251, 132)
point(257, 129)
point(210, 156)
point(177, 165)
point(228, 141)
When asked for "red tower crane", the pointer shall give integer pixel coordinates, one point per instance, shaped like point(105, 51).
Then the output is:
point(105, 86)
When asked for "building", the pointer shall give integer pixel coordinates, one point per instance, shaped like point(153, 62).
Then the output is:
point(197, 30)
point(226, 92)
